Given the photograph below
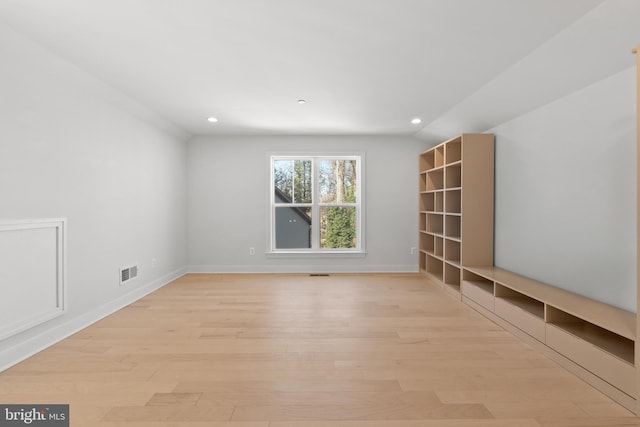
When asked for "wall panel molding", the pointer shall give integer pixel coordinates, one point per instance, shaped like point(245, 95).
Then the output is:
point(32, 273)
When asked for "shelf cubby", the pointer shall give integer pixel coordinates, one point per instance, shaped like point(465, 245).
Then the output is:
point(427, 243)
point(604, 353)
point(453, 201)
point(439, 201)
point(478, 289)
point(422, 219)
point(435, 179)
point(439, 156)
point(520, 310)
point(435, 223)
point(438, 249)
point(454, 151)
point(531, 305)
point(610, 342)
point(452, 277)
point(452, 225)
point(434, 267)
point(427, 161)
point(427, 202)
point(452, 251)
point(453, 176)
point(423, 181)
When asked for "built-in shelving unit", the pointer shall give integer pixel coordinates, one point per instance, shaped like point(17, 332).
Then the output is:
point(592, 339)
point(456, 207)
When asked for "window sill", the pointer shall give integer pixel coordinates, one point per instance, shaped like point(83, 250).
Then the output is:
point(316, 254)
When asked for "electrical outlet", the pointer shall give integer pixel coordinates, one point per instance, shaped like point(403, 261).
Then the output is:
point(412, 250)
point(252, 251)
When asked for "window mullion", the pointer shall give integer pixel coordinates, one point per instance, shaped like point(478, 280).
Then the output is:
point(293, 181)
point(315, 210)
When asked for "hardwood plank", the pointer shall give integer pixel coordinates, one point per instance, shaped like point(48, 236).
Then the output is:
point(180, 424)
point(274, 398)
point(604, 409)
point(409, 423)
point(319, 385)
point(170, 413)
point(383, 411)
point(588, 422)
point(175, 399)
point(222, 375)
point(536, 409)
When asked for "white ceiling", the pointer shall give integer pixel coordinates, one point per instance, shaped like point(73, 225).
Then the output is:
point(364, 66)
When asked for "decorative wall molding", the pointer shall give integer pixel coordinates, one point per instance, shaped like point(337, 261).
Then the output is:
point(32, 273)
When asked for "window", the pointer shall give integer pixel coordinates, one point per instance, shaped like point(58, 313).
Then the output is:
point(316, 204)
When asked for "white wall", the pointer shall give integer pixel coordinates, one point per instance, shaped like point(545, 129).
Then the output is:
point(229, 194)
point(566, 192)
point(72, 147)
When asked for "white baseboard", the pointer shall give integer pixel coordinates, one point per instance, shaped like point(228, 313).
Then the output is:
point(329, 268)
point(49, 337)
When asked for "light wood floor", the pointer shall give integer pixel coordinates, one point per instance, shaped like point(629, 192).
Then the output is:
point(300, 351)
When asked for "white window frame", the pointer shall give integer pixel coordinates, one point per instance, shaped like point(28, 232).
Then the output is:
point(315, 205)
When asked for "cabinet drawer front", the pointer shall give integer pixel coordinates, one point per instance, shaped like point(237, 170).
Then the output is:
point(608, 367)
point(521, 319)
point(478, 295)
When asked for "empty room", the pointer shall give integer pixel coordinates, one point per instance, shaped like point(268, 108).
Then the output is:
point(305, 213)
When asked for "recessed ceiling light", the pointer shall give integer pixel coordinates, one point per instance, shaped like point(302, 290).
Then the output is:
point(302, 101)
point(416, 121)
point(212, 120)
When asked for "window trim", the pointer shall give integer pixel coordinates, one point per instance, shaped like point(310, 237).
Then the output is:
point(359, 250)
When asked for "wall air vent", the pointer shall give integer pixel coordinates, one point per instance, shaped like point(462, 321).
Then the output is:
point(128, 273)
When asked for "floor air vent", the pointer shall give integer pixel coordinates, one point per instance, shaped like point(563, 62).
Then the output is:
point(128, 273)
point(318, 275)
